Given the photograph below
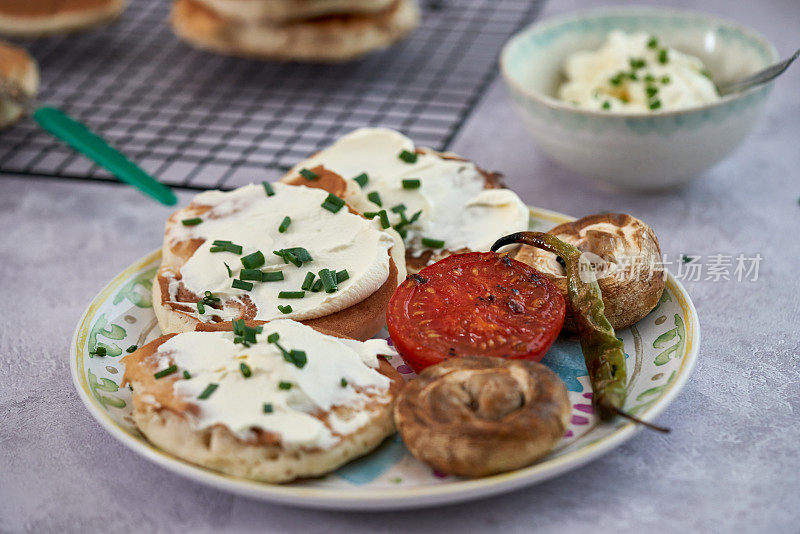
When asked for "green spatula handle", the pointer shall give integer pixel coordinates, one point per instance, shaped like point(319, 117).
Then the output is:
point(79, 137)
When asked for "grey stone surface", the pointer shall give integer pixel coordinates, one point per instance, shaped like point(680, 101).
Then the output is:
point(730, 464)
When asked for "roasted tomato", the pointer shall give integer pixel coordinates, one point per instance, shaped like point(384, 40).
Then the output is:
point(476, 304)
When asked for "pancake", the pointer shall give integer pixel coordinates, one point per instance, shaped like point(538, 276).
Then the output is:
point(324, 39)
point(283, 11)
point(20, 68)
point(248, 217)
point(31, 18)
point(462, 208)
point(272, 420)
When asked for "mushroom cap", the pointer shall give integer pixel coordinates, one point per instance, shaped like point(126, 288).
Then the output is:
point(627, 260)
point(479, 416)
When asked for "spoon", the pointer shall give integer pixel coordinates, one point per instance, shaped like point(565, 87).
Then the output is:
point(80, 138)
point(760, 77)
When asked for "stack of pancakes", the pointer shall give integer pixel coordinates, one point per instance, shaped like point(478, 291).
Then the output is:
point(33, 18)
point(294, 30)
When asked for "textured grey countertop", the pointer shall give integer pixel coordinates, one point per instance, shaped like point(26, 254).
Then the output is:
point(731, 462)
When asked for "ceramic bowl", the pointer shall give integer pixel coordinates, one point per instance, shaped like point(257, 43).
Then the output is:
point(643, 151)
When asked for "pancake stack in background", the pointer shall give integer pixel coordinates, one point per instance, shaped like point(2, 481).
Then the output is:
point(33, 18)
point(17, 67)
point(294, 30)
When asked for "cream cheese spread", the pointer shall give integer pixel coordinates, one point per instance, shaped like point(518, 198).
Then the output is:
point(632, 73)
point(280, 397)
point(249, 218)
point(455, 210)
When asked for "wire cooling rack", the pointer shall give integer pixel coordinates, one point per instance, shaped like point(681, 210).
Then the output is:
point(198, 120)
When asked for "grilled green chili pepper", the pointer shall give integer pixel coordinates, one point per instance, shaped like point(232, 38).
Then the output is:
point(603, 352)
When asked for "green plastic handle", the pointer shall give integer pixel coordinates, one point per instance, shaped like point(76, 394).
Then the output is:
point(79, 137)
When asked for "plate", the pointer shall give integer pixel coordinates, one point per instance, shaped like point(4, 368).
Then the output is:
point(661, 350)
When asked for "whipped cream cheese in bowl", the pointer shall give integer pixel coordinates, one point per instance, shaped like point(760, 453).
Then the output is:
point(626, 95)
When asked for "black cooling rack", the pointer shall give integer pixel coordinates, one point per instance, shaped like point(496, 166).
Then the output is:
point(198, 120)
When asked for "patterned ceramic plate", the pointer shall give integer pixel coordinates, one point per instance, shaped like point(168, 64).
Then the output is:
point(661, 350)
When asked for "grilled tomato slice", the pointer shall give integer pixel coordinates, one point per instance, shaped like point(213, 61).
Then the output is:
point(476, 304)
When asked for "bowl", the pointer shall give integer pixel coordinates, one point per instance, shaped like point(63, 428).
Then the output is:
point(636, 151)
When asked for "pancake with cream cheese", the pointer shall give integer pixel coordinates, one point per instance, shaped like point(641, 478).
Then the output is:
point(287, 402)
point(441, 203)
point(283, 11)
point(235, 255)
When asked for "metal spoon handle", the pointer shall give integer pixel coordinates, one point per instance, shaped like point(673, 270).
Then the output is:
point(760, 77)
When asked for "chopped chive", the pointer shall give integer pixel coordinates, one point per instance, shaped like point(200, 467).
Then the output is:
point(649, 78)
point(298, 358)
point(291, 294)
point(201, 308)
point(655, 104)
point(636, 63)
point(308, 175)
point(402, 231)
point(238, 326)
point(317, 287)
point(239, 284)
point(375, 198)
point(208, 391)
point(131, 349)
point(300, 253)
point(226, 246)
point(412, 183)
point(209, 296)
point(343, 382)
point(192, 222)
point(245, 369)
point(251, 274)
point(414, 217)
point(400, 209)
point(665, 80)
point(616, 80)
point(268, 189)
point(333, 203)
point(706, 73)
point(651, 91)
point(652, 43)
point(285, 385)
point(308, 281)
point(408, 157)
point(273, 337)
point(288, 257)
point(228, 267)
point(285, 224)
point(361, 179)
point(606, 105)
point(342, 275)
point(166, 372)
point(267, 407)
point(633, 76)
point(254, 260)
point(328, 280)
point(218, 248)
point(271, 276)
point(663, 56)
point(432, 243)
point(285, 309)
point(186, 375)
point(384, 218)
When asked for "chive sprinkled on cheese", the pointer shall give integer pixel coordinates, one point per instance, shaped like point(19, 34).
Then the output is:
point(273, 337)
point(225, 246)
point(208, 391)
point(245, 369)
point(166, 372)
point(201, 308)
point(239, 284)
point(362, 179)
point(271, 276)
point(254, 260)
point(228, 268)
point(285, 385)
point(432, 243)
point(606, 105)
point(651, 91)
point(285, 224)
point(343, 382)
point(308, 281)
point(186, 375)
point(637, 63)
point(411, 183)
point(308, 175)
point(333, 203)
point(655, 104)
point(267, 407)
point(408, 157)
point(251, 274)
point(375, 198)
point(268, 189)
point(317, 287)
point(285, 309)
point(652, 43)
point(663, 56)
point(328, 280)
point(291, 294)
point(341, 276)
point(194, 221)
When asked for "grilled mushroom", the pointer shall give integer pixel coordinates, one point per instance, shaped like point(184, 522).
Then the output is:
point(626, 257)
point(479, 416)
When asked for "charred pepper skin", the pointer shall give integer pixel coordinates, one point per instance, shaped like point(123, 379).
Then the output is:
point(603, 352)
